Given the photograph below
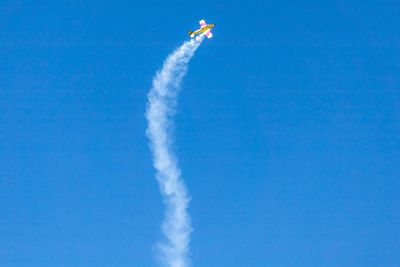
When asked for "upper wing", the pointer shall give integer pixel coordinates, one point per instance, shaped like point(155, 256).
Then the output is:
point(202, 23)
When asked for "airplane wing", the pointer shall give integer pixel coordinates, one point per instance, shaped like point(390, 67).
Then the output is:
point(202, 23)
point(208, 34)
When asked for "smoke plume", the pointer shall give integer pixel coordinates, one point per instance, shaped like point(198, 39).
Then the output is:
point(160, 109)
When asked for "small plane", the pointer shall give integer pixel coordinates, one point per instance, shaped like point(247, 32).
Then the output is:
point(204, 29)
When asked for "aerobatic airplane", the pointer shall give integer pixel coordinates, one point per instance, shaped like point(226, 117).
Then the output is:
point(204, 29)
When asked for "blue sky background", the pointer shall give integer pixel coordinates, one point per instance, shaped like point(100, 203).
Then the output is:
point(287, 132)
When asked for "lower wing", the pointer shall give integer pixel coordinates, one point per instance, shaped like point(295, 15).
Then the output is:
point(208, 34)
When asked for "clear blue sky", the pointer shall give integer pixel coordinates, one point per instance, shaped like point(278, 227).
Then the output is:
point(287, 132)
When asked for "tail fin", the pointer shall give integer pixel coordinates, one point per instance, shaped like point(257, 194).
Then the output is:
point(190, 33)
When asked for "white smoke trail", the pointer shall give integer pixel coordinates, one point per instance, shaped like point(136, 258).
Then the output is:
point(160, 107)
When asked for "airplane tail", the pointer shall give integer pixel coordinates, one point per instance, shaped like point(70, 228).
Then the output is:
point(190, 33)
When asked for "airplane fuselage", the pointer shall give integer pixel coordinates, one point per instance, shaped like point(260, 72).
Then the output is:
point(201, 30)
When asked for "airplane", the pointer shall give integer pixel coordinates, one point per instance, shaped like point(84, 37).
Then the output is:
point(204, 29)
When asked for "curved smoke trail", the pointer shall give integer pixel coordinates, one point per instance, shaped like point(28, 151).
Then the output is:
point(160, 108)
